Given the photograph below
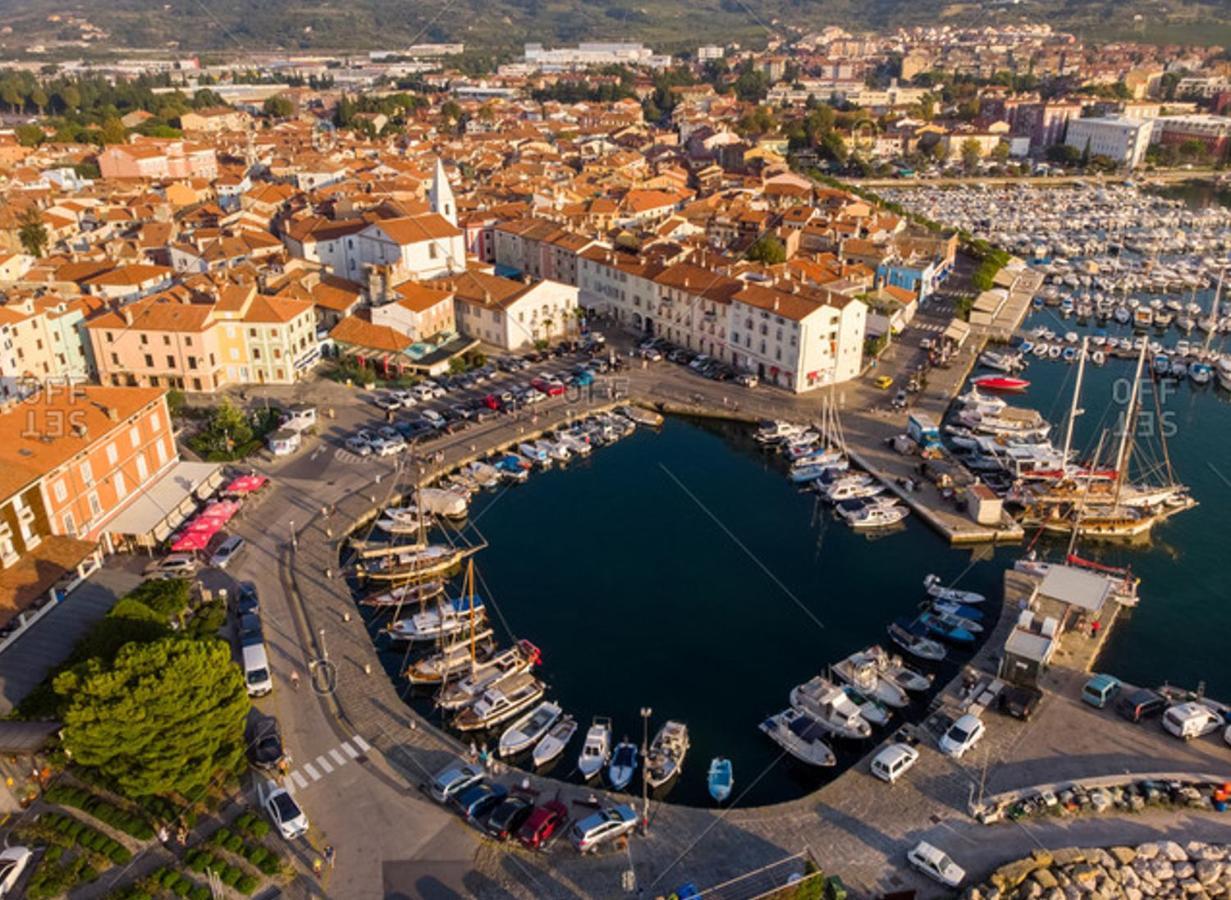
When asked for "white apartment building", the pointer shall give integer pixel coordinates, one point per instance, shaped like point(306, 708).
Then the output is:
point(1123, 140)
point(595, 53)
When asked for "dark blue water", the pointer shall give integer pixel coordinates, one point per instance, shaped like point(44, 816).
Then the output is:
point(681, 571)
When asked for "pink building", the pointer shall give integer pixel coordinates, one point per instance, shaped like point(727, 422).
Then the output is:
point(156, 159)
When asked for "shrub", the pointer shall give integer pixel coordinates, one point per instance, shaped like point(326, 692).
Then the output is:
point(259, 829)
point(199, 892)
point(181, 886)
point(167, 877)
point(53, 854)
point(221, 836)
point(246, 885)
point(230, 875)
point(118, 854)
point(234, 843)
point(255, 855)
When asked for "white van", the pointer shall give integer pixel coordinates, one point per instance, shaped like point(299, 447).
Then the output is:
point(256, 671)
point(892, 762)
point(1190, 720)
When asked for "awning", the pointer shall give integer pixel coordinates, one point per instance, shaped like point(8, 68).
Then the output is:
point(246, 484)
point(25, 737)
point(26, 582)
point(192, 540)
point(167, 502)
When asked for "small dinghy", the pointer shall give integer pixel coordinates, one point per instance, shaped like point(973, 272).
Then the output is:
point(1002, 382)
point(596, 751)
point(912, 638)
point(554, 742)
point(721, 778)
point(945, 628)
point(623, 764)
point(945, 612)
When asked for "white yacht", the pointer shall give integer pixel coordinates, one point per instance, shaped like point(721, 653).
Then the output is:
point(828, 704)
point(800, 735)
point(529, 728)
point(500, 703)
point(596, 751)
point(861, 671)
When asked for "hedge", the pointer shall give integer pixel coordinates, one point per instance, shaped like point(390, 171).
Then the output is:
point(232, 876)
point(85, 836)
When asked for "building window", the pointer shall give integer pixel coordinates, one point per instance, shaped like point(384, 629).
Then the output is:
point(121, 487)
point(149, 361)
point(192, 362)
point(70, 527)
point(166, 340)
point(134, 436)
point(61, 491)
point(145, 339)
point(143, 470)
point(87, 472)
point(115, 359)
point(188, 341)
point(112, 453)
point(96, 508)
point(162, 452)
point(155, 422)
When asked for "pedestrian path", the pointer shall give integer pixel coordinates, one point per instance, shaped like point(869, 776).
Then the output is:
point(314, 770)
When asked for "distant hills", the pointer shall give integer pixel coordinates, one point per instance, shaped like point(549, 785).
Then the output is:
point(245, 26)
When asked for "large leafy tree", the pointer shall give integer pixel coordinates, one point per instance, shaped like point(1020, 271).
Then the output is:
point(32, 232)
point(163, 719)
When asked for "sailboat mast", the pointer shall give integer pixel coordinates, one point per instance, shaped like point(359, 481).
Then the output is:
point(1073, 410)
point(1082, 497)
point(1130, 425)
point(1209, 335)
point(470, 585)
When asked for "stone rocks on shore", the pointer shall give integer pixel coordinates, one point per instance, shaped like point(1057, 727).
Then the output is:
point(1164, 870)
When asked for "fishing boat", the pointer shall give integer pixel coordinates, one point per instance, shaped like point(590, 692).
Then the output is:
point(452, 661)
point(529, 729)
point(405, 593)
point(665, 759)
point(878, 516)
point(912, 638)
point(1001, 383)
point(936, 588)
point(828, 704)
point(504, 665)
point(596, 751)
point(961, 610)
point(484, 475)
point(892, 667)
point(875, 712)
point(943, 627)
point(554, 742)
point(641, 416)
point(623, 764)
point(772, 432)
point(512, 468)
point(444, 620)
point(537, 455)
point(500, 703)
point(800, 735)
point(390, 525)
point(721, 779)
point(861, 671)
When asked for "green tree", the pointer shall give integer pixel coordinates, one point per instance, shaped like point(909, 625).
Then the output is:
point(278, 107)
point(10, 93)
point(32, 232)
point(767, 249)
point(113, 132)
point(163, 719)
point(39, 98)
point(752, 85)
point(29, 135)
point(970, 154)
point(70, 97)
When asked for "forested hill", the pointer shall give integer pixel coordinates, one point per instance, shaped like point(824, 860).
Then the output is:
point(503, 25)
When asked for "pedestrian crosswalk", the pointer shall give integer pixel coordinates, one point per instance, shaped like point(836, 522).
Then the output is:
point(332, 759)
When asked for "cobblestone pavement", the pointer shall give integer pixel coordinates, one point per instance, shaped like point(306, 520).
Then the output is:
point(855, 825)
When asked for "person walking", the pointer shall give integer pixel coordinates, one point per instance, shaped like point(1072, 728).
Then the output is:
point(295, 679)
point(331, 856)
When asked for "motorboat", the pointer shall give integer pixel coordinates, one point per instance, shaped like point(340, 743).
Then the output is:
point(537, 455)
point(892, 667)
point(828, 704)
point(554, 742)
point(441, 621)
point(575, 444)
point(861, 671)
point(442, 502)
point(800, 735)
point(949, 618)
point(912, 638)
point(944, 627)
point(596, 751)
point(936, 588)
point(665, 759)
point(1201, 373)
point(623, 764)
point(641, 416)
point(961, 610)
point(554, 450)
point(852, 488)
point(484, 475)
point(721, 778)
point(878, 516)
point(504, 665)
point(501, 702)
point(1002, 383)
point(875, 712)
point(775, 431)
point(529, 729)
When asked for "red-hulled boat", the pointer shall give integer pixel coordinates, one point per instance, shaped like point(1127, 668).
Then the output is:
point(1000, 383)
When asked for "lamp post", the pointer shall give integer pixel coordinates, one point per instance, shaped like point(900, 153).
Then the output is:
point(646, 712)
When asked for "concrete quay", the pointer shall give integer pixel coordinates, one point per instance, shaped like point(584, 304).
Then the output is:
point(855, 826)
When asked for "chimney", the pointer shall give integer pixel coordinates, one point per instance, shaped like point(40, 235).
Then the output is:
point(775, 304)
point(127, 315)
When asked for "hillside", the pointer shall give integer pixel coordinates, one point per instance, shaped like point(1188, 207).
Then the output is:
point(488, 25)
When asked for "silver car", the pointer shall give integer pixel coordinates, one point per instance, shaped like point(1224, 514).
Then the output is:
point(227, 551)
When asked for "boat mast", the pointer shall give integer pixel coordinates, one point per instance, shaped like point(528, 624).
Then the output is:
point(1130, 424)
point(1074, 412)
point(1209, 335)
point(1082, 497)
point(470, 584)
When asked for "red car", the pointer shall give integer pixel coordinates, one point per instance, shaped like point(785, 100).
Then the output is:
point(491, 401)
point(550, 388)
point(545, 821)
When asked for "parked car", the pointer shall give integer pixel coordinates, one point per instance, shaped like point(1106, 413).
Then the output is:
point(246, 600)
point(227, 551)
point(1140, 704)
point(435, 418)
point(177, 565)
point(1019, 701)
point(454, 779)
point(387, 402)
point(900, 400)
point(747, 379)
point(544, 821)
point(357, 445)
point(264, 740)
point(478, 800)
point(283, 811)
point(13, 861)
point(884, 382)
point(1100, 690)
point(962, 736)
point(936, 864)
point(1191, 720)
point(506, 818)
point(250, 630)
point(894, 761)
point(605, 825)
point(385, 447)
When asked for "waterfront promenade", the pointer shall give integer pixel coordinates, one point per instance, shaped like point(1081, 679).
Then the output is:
point(856, 826)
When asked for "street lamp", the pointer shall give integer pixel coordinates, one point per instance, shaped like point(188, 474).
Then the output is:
point(646, 712)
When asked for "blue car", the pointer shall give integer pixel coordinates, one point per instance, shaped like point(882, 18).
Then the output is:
point(476, 802)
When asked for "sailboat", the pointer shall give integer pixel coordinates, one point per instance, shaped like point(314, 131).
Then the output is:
point(454, 659)
point(504, 666)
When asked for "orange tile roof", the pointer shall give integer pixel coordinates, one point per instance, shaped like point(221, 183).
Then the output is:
point(418, 297)
point(358, 331)
point(157, 314)
point(417, 229)
point(276, 309)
